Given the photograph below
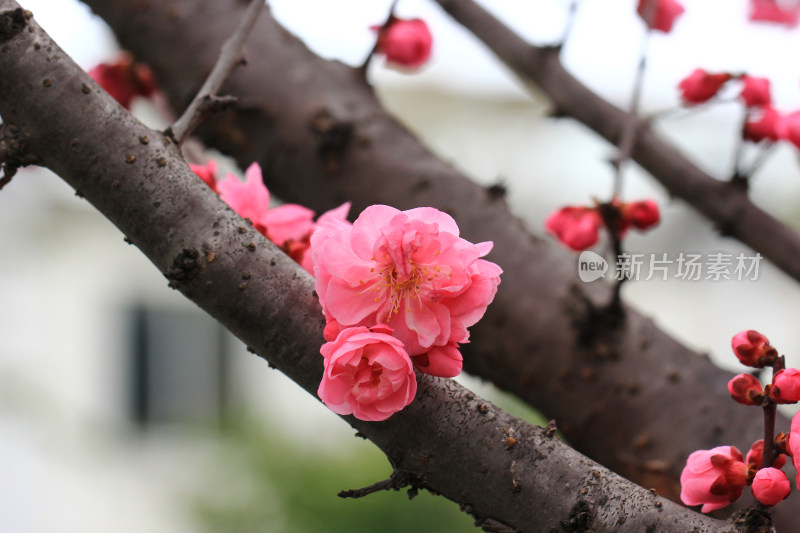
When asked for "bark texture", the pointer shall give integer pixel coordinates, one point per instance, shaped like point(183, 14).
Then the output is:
point(628, 396)
point(448, 440)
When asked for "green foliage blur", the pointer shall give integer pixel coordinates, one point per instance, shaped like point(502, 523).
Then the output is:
point(265, 483)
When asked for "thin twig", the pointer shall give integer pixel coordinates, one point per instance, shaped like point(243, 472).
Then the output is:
point(761, 157)
point(396, 481)
point(230, 56)
point(739, 151)
point(628, 136)
point(573, 8)
point(362, 70)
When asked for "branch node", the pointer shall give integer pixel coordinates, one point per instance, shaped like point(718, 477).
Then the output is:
point(13, 152)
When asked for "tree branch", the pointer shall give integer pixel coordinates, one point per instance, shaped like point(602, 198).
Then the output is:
point(449, 440)
point(727, 206)
point(207, 103)
point(627, 397)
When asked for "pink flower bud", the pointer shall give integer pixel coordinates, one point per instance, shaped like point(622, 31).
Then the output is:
point(575, 227)
point(367, 374)
point(406, 43)
point(746, 389)
point(789, 128)
point(701, 86)
point(770, 486)
point(713, 478)
point(756, 453)
point(662, 15)
point(753, 349)
point(793, 445)
point(641, 215)
point(763, 123)
point(771, 11)
point(786, 386)
point(443, 361)
point(207, 173)
point(755, 92)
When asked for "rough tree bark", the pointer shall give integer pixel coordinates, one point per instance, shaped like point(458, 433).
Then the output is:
point(501, 469)
point(630, 396)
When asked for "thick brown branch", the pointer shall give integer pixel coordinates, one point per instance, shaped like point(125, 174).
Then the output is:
point(448, 439)
point(630, 397)
point(727, 206)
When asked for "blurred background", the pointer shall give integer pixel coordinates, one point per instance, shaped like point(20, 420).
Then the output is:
point(124, 408)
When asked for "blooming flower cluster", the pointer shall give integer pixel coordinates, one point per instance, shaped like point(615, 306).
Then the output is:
point(406, 43)
point(763, 122)
point(125, 79)
point(578, 227)
point(660, 15)
point(717, 477)
point(399, 290)
point(289, 226)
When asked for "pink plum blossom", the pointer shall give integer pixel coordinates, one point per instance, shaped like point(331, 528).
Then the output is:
point(771, 11)
point(755, 91)
point(368, 374)
point(713, 478)
point(408, 269)
point(746, 389)
point(443, 361)
point(786, 386)
point(300, 250)
point(701, 86)
point(575, 226)
point(124, 79)
point(405, 43)
point(770, 486)
point(207, 173)
point(753, 349)
point(660, 14)
point(250, 199)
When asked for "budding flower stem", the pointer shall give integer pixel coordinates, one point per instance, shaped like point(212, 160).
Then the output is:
point(739, 152)
point(362, 70)
point(770, 410)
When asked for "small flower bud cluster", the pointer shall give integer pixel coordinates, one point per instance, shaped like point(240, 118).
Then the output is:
point(578, 227)
point(762, 122)
point(715, 478)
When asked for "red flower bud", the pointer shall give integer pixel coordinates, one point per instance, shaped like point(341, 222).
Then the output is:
point(701, 86)
point(641, 215)
point(576, 227)
point(660, 16)
point(755, 92)
point(406, 43)
point(755, 454)
point(770, 486)
point(753, 349)
point(786, 386)
point(746, 389)
point(763, 123)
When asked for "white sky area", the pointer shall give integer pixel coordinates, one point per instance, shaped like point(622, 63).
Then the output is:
point(602, 50)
